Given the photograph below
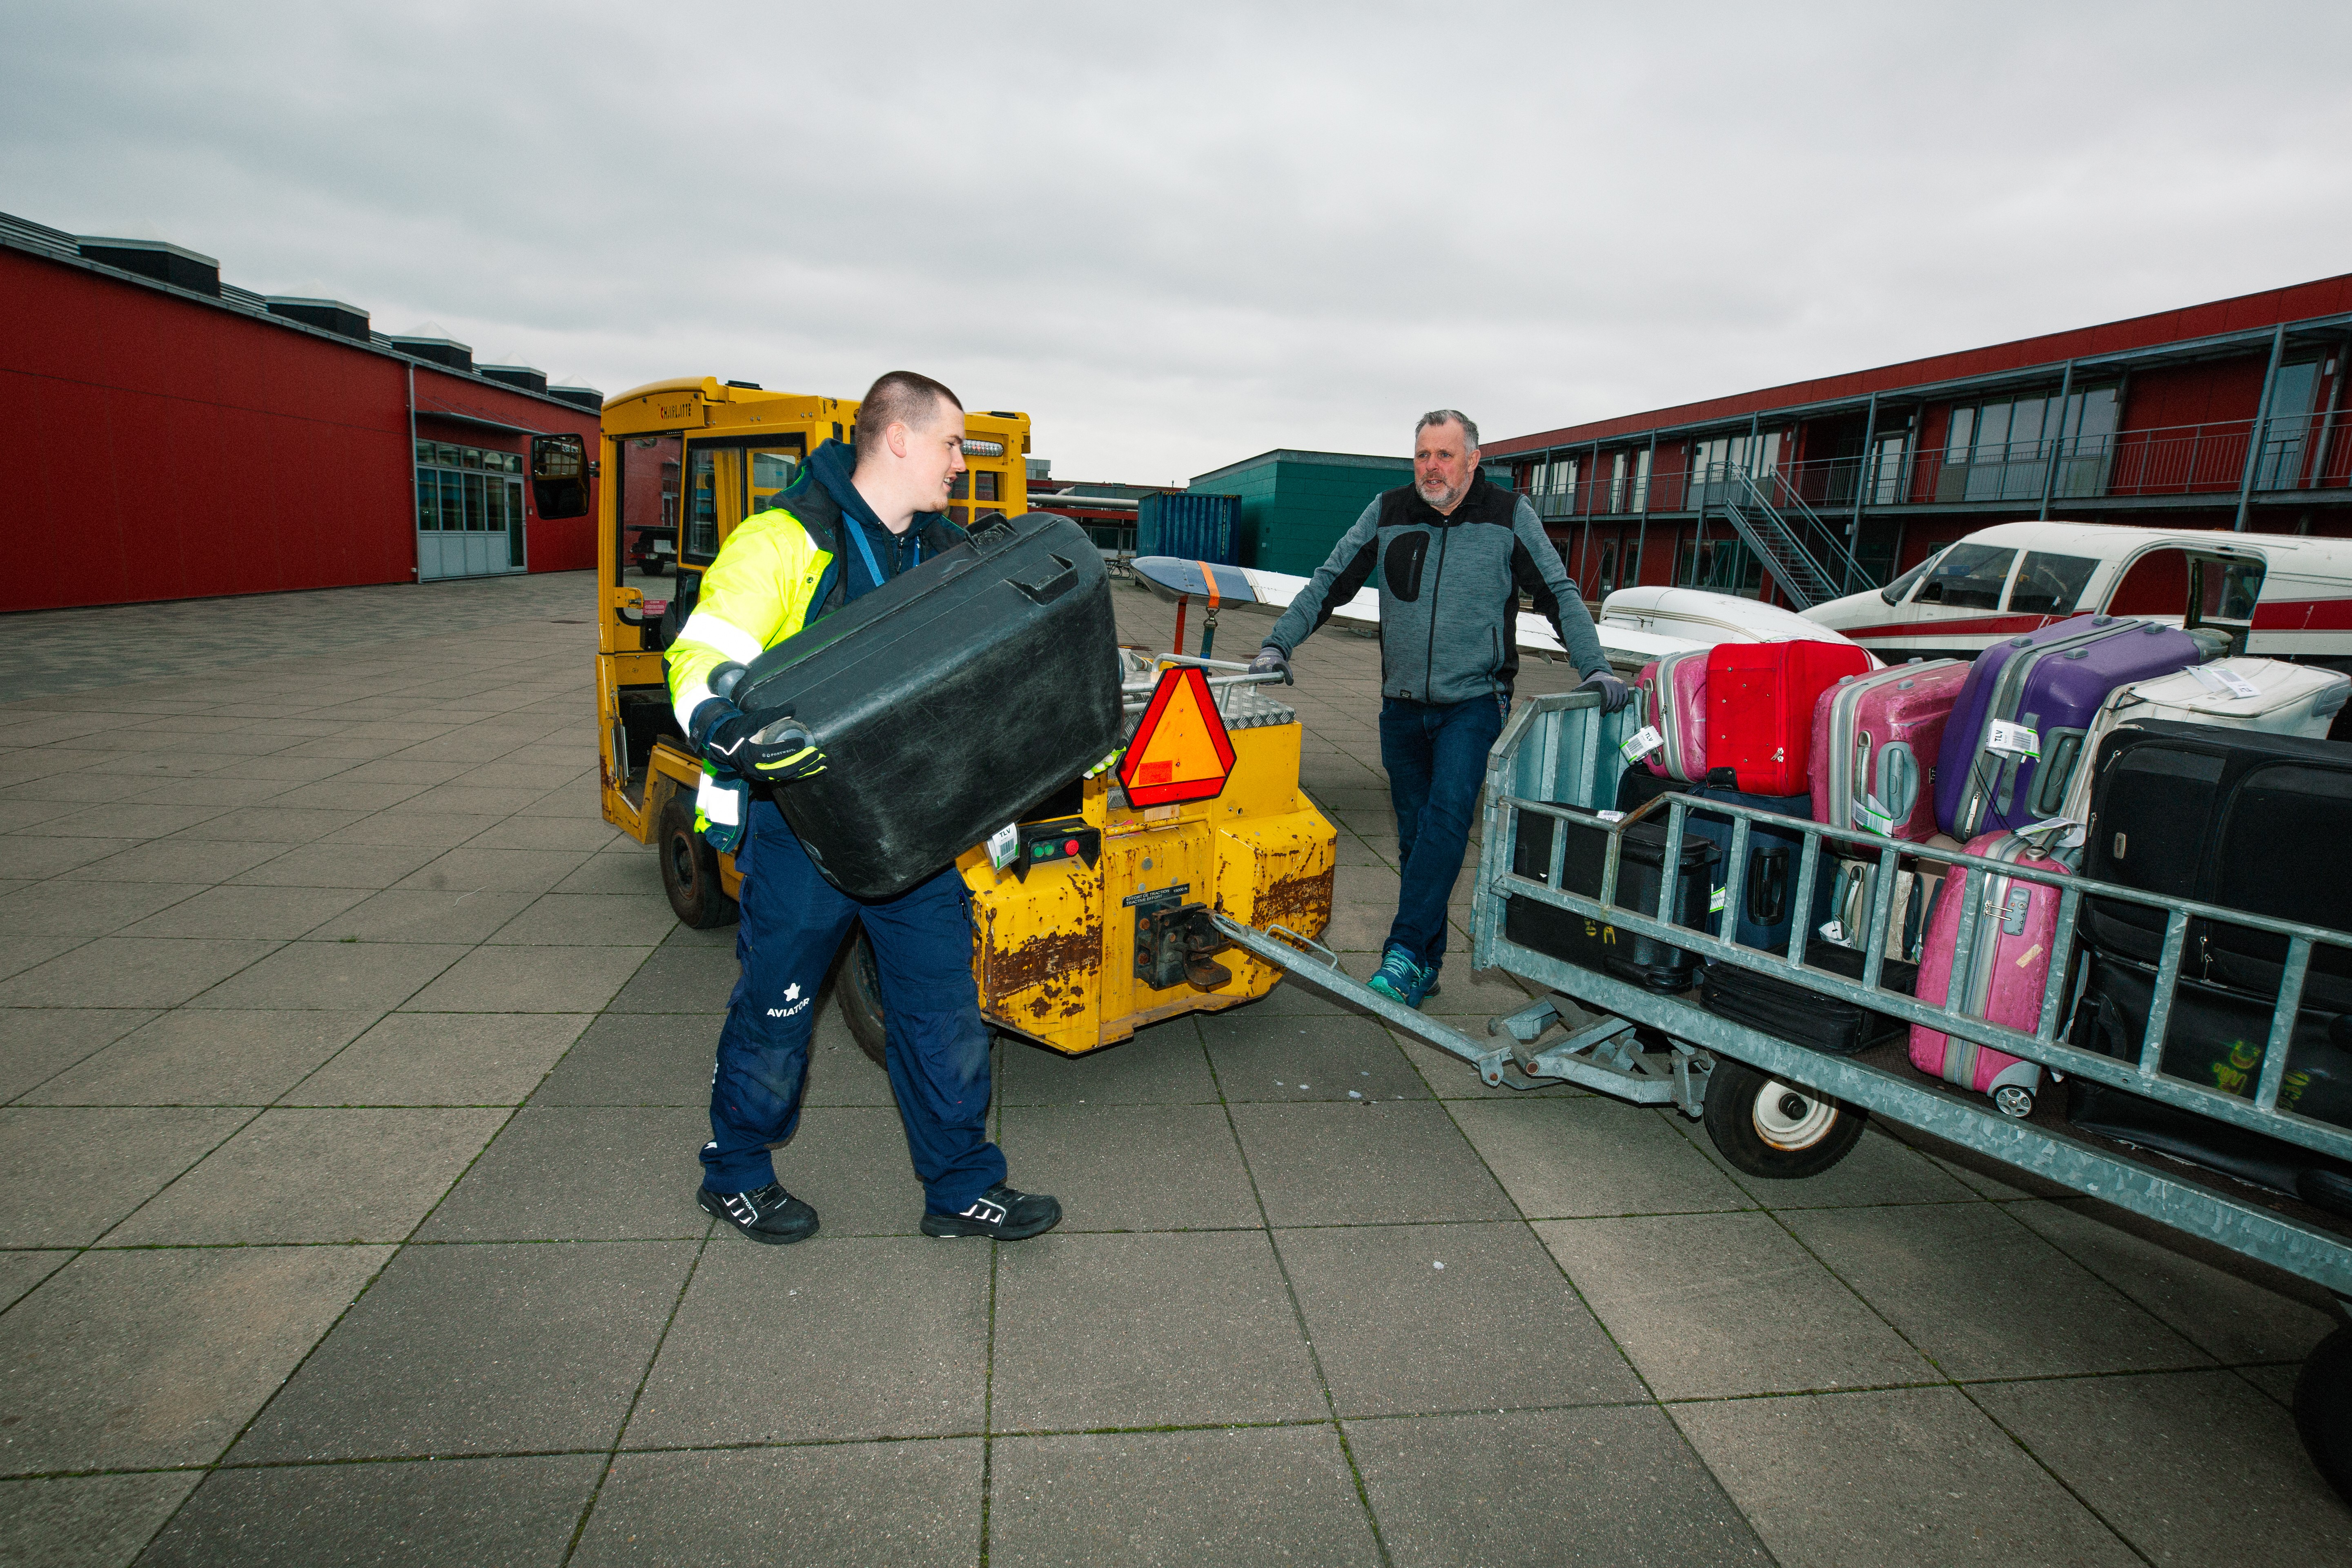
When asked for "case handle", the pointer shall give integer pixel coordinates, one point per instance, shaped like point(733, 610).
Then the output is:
point(1898, 779)
point(1768, 886)
point(1051, 586)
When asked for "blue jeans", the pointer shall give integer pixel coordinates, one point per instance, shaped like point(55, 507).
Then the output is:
point(793, 923)
point(1435, 755)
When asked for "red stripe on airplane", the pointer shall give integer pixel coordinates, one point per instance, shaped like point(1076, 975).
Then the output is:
point(2284, 616)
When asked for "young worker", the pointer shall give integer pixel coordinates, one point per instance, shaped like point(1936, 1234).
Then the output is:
point(1453, 552)
point(851, 521)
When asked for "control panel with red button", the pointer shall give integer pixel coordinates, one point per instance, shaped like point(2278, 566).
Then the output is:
point(1063, 839)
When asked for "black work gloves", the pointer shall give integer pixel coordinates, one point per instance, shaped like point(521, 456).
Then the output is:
point(1271, 660)
point(780, 752)
point(1614, 692)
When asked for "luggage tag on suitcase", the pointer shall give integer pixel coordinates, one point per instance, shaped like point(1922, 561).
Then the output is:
point(1640, 743)
point(2221, 680)
point(2066, 833)
point(1004, 846)
point(2014, 740)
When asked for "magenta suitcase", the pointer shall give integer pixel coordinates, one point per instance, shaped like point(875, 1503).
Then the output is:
point(1673, 702)
point(2015, 920)
point(1874, 742)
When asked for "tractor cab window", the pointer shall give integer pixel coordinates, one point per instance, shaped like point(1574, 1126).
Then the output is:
point(773, 469)
point(700, 544)
point(1968, 577)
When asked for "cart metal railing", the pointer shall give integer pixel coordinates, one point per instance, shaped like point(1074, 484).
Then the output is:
point(1549, 748)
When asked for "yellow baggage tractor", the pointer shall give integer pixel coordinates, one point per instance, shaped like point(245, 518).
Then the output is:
point(1102, 924)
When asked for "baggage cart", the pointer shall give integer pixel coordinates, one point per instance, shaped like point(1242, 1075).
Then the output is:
point(1777, 1109)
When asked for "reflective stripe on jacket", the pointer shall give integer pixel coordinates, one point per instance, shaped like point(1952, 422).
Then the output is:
point(777, 572)
point(758, 592)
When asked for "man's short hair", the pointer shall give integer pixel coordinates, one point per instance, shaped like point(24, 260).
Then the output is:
point(899, 398)
point(1435, 417)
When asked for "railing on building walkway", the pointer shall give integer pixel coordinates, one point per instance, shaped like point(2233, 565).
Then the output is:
point(2298, 452)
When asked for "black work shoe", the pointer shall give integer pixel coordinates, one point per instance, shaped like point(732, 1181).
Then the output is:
point(1001, 1213)
point(771, 1215)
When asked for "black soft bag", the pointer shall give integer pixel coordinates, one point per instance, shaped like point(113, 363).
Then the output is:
point(2216, 1037)
point(947, 702)
point(1597, 944)
point(1803, 1017)
point(2234, 817)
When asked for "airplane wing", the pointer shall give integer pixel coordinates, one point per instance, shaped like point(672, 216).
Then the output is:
point(1269, 593)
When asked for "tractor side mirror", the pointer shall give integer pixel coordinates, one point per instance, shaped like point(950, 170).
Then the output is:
point(559, 475)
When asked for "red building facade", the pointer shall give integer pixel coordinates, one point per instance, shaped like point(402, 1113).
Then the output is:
point(193, 440)
point(2228, 415)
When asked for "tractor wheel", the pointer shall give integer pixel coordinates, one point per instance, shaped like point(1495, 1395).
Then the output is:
point(689, 868)
point(859, 990)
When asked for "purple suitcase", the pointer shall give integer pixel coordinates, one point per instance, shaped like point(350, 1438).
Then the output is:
point(2043, 690)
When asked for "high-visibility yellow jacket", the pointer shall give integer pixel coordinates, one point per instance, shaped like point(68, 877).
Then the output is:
point(766, 582)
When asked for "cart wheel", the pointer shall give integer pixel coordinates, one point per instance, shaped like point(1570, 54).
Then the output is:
point(1767, 1128)
point(689, 868)
point(859, 989)
point(2323, 1409)
point(653, 566)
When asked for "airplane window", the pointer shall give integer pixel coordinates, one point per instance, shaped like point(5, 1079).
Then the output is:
point(2049, 584)
point(2230, 589)
point(1892, 593)
point(1968, 577)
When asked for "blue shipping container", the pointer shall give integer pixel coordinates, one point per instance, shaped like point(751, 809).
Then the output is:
point(1187, 526)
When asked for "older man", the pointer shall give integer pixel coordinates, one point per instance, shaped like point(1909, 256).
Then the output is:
point(1453, 554)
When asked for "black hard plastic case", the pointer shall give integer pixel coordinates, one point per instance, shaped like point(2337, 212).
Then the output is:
point(1803, 1018)
point(947, 702)
point(1595, 945)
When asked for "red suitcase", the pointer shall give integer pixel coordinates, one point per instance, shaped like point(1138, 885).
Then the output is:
point(1760, 709)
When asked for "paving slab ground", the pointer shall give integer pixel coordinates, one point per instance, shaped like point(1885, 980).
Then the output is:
point(352, 1071)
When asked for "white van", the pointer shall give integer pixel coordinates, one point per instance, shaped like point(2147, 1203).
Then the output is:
point(2292, 594)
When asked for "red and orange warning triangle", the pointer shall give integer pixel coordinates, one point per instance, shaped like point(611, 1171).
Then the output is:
point(1180, 751)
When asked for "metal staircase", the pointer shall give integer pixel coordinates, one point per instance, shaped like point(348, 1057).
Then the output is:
point(1806, 557)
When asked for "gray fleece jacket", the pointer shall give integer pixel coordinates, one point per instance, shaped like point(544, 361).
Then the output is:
point(1449, 592)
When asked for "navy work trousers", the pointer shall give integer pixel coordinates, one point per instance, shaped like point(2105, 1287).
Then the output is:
point(793, 923)
point(1435, 754)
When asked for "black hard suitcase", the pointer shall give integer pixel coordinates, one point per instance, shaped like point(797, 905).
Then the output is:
point(2234, 817)
point(2216, 1037)
point(1596, 945)
point(947, 702)
point(1803, 1018)
point(1639, 786)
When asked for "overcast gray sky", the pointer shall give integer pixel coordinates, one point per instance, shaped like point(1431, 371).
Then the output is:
point(1177, 237)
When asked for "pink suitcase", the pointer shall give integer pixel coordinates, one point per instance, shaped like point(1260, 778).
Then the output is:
point(2015, 920)
point(1874, 742)
point(1673, 702)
